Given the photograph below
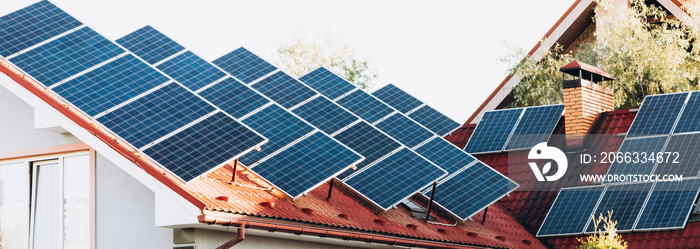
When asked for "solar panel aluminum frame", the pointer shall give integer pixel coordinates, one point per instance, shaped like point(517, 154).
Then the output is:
point(690, 211)
point(518, 123)
point(375, 162)
point(605, 187)
point(265, 140)
point(656, 163)
point(509, 135)
point(635, 121)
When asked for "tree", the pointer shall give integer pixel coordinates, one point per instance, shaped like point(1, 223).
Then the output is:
point(605, 239)
point(644, 50)
point(303, 55)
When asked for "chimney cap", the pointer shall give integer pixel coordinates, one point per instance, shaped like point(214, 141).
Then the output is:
point(587, 71)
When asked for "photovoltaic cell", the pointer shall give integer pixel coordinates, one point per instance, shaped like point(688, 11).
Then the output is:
point(284, 89)
point(109, 85)
point(190, 70)
point(445, 155)
point(472, 190)
point(307, 164)
point(31, 25)
point(327, 83)
point(199, 148)
point(639, 151)
point(681, 156)
point(234, 97)
point(395, 178)
point(493, 130)
point(365, 106)
point(368, 141)
point(244, 65)
point(404, 129)
point(397, 98)
point(325, 115)
point(625, 201)
point(279, 126)
point(434, 120)
point(571, 211)
point(535, 126)
point(150, 45)
point(657, 115)
point(690, 119)
point(156, 115)
point(669, 205)
point(66, 56)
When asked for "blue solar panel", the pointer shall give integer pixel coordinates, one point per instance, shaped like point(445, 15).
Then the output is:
point(327, 83)
point(395, 178)
point(397, 98)
point(66, 56)
point(639, 151)
point(307, 164)
point(669, 205)
point(626, 202)
point(690, 119)
point(369, 142)
point(571, 211)
point(434, 120)
point(29, 26)
point(244, 65)
point(109, 85)
point(493, 130)
point(472, 190)
point(681, 156)
point(325, 115)
point(404, 129)
point(445, 155)
point(279, 126)
point(535, 126)
point(234, 97)
point(199, 148)
point(365, 106)
point(150, 45)
point(284, 89)
point(190, 70)
point(657, 115)
point(155, 115)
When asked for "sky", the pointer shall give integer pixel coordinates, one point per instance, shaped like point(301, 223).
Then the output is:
point(446, 53)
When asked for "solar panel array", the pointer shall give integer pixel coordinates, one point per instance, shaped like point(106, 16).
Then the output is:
point(299, 156)
point(151, 111)
point(635, 206)
point(514, 129)
point(472, 186)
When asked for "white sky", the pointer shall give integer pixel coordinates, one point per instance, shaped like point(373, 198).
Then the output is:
point(443, 52)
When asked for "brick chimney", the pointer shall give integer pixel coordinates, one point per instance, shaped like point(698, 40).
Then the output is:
point(584, 98)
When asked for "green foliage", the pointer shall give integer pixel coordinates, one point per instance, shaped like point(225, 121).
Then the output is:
point(303, 55)
point(605, 239)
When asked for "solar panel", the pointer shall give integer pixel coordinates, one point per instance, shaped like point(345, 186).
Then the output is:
point(680, 156)
point(404, 130)
point(234, 97)
point(639, 151)
point(445, 154)
point(434, 120)
point(31, 25)
point(395, 178)
point(690, 119)
point(150, 44)
point(625, 201)
point(188, 155)
point(327, 83)
point(535, 126)
point(190, 70)
point(244, 65)
point(492, 132)
point(657, 115)
point(107, 86)
point(369, 142)
point(365, 106)
point(325, 115)
point(397, 98)
point(571, 211)
point(307, 164)
point(470, 191)
point(284, 89)
point(71, 54)
point(669, 205)
point(156, 115)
